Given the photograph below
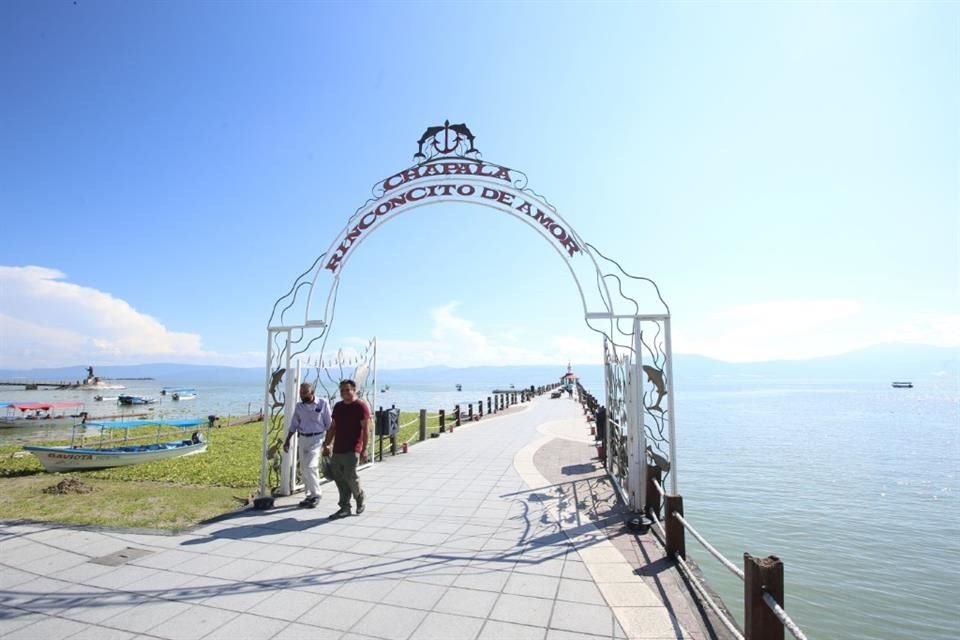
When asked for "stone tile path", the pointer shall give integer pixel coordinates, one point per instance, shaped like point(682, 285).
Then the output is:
point(463, 537)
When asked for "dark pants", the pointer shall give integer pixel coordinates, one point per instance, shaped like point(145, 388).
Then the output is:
point(343, 468)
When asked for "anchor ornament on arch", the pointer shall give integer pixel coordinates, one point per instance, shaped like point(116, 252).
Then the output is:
point(636, 347)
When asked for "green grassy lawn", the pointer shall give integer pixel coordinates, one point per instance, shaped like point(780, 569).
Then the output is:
point(113, 503)
point(166, 494)
point(232, 460)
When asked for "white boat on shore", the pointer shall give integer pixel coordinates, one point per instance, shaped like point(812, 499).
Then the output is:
point(79, 456)
point(40, 414)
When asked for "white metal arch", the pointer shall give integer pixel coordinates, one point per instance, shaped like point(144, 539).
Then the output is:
point(451, 172)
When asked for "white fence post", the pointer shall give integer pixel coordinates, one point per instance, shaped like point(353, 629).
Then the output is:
point(289, 458)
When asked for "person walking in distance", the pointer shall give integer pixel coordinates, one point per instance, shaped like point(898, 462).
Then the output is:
point(349, 434)
point(311, 419)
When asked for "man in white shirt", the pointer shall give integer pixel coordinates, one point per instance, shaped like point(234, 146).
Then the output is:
point(311, 419)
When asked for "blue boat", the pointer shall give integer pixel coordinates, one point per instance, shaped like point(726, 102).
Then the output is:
point(132, 400)
point(173, 439)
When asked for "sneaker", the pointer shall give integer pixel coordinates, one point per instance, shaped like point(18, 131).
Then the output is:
point(343, 513)
point(309, 503)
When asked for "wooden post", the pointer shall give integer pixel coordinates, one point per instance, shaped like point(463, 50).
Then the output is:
point(675, 538)
point(480, 408)
point(443, 421)
point(456, 414)
point(423, 425)
point(653, 494)
point(489, 406)
point(759, 575)
point(469, 412)
point(376, 425)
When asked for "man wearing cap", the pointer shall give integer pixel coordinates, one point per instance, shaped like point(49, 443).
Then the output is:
point(311, 419)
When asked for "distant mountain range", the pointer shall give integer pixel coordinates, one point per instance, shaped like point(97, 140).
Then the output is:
point(881, 363)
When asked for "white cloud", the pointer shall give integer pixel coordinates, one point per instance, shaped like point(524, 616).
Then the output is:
point(741, 333)
point(48, 321)
point(800, 329)
point(455, 341)
point(940, 330)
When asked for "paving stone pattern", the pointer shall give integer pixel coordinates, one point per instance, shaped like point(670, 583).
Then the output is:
point(453, 545)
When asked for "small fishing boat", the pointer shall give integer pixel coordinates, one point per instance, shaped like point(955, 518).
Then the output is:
point(172, 440)
point(170, 391)
point(40, 414)
point(459, 387)
point(902, 385)
point(99, 398)
point(132, 400)
point(184, 395)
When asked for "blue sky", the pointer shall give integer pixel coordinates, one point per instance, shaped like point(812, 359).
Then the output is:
point(787, 172)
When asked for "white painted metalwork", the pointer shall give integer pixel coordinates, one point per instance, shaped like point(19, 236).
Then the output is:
point(670, 407)
point(637, 433)
point(288, 459)
point(632, 424)
point(267, 415)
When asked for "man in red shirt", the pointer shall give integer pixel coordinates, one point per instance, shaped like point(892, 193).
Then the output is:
point(349, 433)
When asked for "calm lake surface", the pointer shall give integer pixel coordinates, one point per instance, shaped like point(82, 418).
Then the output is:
point(853, 484)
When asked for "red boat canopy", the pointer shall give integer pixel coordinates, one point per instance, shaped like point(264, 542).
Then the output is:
point(45, 406)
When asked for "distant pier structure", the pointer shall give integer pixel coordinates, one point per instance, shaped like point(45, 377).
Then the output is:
point(90, 382)
point(569, 379)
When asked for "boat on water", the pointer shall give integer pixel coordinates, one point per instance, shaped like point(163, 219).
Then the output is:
point(100, 398)
point(902, 385)
point(179, 393)
point(459, 387)
point(386, 388)
point(40, 414)
point(173, 439)
point(135, 400)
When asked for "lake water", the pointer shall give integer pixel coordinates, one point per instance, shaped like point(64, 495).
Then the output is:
point(853, 484)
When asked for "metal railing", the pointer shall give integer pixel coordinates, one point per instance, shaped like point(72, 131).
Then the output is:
point(764, 616)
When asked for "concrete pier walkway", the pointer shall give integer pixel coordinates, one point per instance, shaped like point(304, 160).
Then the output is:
point(505, 529)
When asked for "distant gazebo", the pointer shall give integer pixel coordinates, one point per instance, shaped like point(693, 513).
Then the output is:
point(569, 379)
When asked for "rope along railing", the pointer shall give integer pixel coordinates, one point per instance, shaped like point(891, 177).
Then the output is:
point(783, 617)
point(764, 616)
point(731, 627)
point(734, 569)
